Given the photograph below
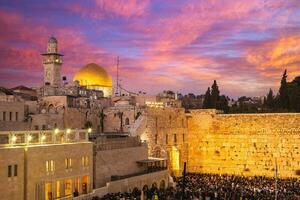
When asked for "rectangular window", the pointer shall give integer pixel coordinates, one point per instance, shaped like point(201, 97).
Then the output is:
point(16, 170)
point(4, 116)
point(86, 161)
point(10, 116)
point(175, 138)
point(9, 171)
point(166, 139)
point(57, 188)
point(36, 127)
point(156, 139)
point(183, 137)
point(17, 116)
point(68, 163)
point(47, 166)
point(82, 161)
point(50, 166)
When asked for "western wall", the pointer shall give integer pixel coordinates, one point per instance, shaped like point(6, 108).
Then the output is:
point(166, 133)
point(210, 142)
point(244, 144)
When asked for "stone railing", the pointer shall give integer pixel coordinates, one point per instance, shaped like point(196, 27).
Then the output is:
point(17, 138)
point(103, 143)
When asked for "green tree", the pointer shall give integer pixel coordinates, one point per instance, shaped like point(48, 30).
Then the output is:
point(283, 92)
point(215, 94)
point(207, 99)
point(223, 104)
point(270, 100)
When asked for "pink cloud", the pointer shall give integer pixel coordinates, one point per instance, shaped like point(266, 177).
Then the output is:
point(118, 8)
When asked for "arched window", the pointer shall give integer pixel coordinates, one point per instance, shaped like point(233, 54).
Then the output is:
point(127, 121)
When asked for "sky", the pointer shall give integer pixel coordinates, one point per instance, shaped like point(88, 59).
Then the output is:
point(179, 45)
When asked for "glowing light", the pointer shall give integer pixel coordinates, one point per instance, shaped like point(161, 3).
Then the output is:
point(175, 158)
point(68, 130)
point(43, 137)
point(56, 131)
point(89, 130)
point(14, 138)
point(29, 138)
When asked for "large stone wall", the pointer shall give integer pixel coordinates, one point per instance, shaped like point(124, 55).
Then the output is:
point(166, 133)
point(244, 144)
point(117, 162)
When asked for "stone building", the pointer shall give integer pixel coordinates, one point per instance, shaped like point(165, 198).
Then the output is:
point(12, 111)
point(45, 165)
point(166, 132)
point(52, 61)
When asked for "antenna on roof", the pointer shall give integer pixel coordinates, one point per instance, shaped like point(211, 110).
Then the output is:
point(118, 60)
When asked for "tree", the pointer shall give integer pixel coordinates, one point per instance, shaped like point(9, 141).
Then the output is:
point(207, 99)
point(283, 92)
point(270, 100)
point(223, 104)
point(215, 94)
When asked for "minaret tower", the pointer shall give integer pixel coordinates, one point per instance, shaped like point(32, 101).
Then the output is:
point(52, 62)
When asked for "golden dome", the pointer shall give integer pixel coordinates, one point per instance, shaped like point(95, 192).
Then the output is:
point(93, 75)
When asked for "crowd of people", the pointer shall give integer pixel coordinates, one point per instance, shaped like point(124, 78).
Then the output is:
point(216, 187)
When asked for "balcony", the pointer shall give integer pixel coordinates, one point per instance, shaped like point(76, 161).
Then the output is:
point(25, 138)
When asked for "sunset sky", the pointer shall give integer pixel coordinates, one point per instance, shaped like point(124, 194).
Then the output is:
point(179, 45)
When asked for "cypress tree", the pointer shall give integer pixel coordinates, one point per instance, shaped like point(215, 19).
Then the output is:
point(283, 92)
point(207, 99)
point(270, 100)
point(215, 94)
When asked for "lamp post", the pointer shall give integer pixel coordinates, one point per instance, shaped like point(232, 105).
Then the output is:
point(183, 181)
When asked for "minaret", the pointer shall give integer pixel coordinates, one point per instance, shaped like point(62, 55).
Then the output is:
point(52, 62)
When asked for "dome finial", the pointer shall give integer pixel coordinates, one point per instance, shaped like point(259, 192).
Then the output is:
point(52, 39)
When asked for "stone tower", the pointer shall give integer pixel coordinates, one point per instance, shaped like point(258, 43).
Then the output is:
point(52, 62)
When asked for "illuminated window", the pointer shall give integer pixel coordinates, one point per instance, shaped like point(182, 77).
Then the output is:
point(57, 188)
point(49, 166)
point(68, 163)
point(68, 187)
point(85, 161)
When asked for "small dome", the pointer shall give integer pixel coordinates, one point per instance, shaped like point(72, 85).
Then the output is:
point(93, 75)
point(52, 40)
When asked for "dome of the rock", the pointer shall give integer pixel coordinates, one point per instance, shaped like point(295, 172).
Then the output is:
point(95, 77)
